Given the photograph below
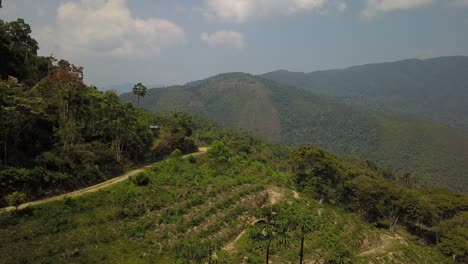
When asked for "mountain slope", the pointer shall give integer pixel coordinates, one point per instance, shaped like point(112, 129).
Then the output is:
point(433, 89)
point(190, 211)
point(434, 152)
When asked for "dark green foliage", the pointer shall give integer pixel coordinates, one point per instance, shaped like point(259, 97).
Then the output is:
point(219, 153)
point(140, 91)
point(15, 199)
point(454, 244)
point(367, 190)
point(273, 228)
point(57, 134)
point(176, 154)
point(141, 179)
point(192, 159)
point(316, 172)
point(413, 87)
point(18, 51)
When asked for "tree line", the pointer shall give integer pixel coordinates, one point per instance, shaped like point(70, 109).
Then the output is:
point(59, 134)
point(438, 216)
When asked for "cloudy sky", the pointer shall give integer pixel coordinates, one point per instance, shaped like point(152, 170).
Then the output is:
point(175, 41)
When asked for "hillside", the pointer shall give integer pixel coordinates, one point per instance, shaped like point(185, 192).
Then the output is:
point(434, 152)
point(219, 208)
point(239, 198)
point(432, 89)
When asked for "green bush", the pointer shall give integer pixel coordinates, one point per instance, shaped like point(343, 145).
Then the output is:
point(16, 199)
point(176, 154)
point(141, 179)
point(219, 152)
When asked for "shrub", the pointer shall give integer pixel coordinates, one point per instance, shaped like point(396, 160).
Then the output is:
point(14, 179)
point(140, 179)
point(15, 199)
point(176, 154)
point(192, 159)
point(219, 152)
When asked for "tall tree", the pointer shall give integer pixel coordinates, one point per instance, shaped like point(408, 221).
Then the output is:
point(316, 172)
point(120, 122)
point(18, 51)
point(273, 228)
point(140, 91)
point(304, 222)
point(67, 79)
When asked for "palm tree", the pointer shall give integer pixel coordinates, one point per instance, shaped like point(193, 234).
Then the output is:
point(272, 227)
point(139, 90)
point(304, 221)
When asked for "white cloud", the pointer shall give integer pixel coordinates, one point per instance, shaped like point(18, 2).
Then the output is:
point(107, 27)
point(227, 38)
point(376, 7)
point(243, 10)
point(341, 6)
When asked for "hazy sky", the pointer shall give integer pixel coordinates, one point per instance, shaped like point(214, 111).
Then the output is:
point(175, 41)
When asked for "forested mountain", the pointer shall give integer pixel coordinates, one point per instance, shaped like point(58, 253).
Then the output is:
point(239, 203)
point(432, 89)
point(244, 200)
point(434, 152)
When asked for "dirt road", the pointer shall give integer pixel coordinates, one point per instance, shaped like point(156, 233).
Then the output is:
point(96, 187)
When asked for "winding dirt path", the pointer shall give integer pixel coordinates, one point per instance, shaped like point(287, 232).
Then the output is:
point(386, 242)
point(98, 186)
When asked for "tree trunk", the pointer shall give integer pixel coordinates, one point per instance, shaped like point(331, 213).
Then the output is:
point(268, 252)
point(394, 222)
point(138, 105)
point(301, 253)
point(210, 252)
point(5, 150)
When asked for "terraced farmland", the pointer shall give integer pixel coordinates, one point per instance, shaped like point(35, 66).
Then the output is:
point(189, 212)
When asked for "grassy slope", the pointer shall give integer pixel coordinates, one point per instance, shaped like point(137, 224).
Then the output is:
point(435, 153)
point(191, 202)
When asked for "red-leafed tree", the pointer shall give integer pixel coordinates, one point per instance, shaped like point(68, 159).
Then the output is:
point(66, 80)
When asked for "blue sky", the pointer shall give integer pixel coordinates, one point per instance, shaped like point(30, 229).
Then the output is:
point(175, 41)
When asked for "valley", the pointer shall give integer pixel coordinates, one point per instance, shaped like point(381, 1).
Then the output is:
point(434, 152)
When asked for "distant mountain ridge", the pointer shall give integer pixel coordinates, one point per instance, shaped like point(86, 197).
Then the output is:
point(433, 89)
point(435, 152)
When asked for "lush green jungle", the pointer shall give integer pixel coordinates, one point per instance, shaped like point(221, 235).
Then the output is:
point(432, 89)
point(434, 153)
point(246, 200)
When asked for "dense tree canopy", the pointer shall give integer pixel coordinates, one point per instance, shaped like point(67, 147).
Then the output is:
point(18, 51)
point(57, 133)
point(374, 193)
